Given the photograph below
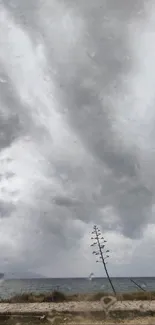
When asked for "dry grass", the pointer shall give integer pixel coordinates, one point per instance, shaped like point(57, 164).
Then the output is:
point(141, 295)
point(57, 296)
point(54, 296)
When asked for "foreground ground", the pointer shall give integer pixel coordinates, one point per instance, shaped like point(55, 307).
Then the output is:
point(83, 312)
point(73, 320)
point(56, 308)
point(32, 321)
point(78, 306)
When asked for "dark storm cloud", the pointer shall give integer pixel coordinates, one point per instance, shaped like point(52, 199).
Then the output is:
point(87, 85)
point(93, 119)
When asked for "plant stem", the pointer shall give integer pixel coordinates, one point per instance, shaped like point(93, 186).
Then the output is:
point(103, 261)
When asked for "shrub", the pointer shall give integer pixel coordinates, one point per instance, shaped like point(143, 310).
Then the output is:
point(55, 296)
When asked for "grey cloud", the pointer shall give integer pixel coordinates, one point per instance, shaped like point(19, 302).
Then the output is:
point(135, 210)
point(65, 201)
point(18, 121)
point(90, 118)
point(8, 130)
point(9, 175)
point(6, 208)
point(94, 122)
point(87, 86)
point(13, 124)
point(23, 12)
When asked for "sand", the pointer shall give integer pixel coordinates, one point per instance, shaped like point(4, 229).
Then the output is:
point(78, 313)
point(82, 306)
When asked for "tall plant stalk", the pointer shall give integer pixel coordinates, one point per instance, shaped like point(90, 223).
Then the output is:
point(100, 242)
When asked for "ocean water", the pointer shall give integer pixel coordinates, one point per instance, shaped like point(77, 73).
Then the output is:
point(9, 288)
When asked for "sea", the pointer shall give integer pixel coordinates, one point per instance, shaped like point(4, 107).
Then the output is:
point(10, 288)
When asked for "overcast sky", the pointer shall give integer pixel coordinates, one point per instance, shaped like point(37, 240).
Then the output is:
point(77, 130)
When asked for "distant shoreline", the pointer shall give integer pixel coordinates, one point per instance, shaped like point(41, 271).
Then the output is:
point(76, 278)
